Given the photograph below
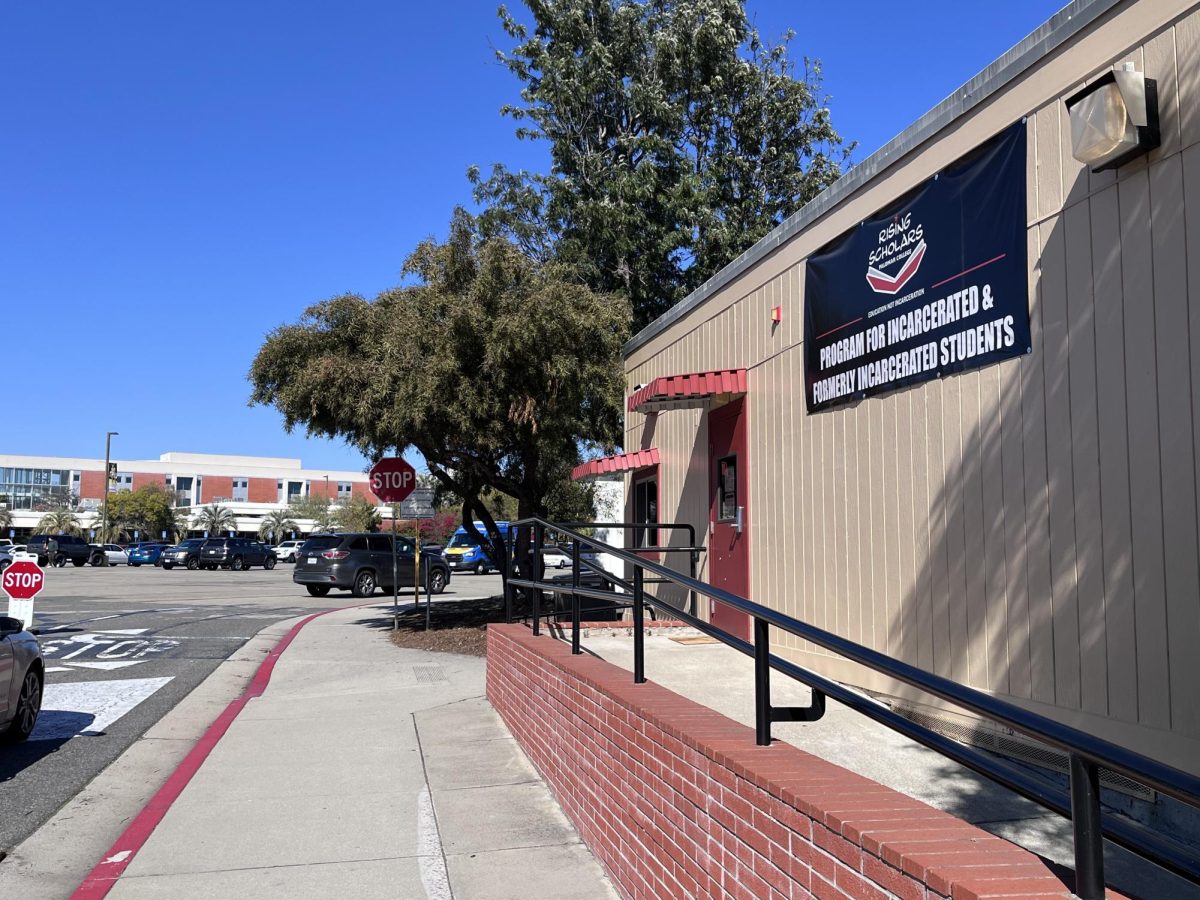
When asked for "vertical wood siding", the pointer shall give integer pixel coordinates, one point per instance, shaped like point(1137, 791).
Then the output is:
point(1030, 528)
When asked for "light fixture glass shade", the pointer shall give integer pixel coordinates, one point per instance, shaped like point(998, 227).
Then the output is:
point(1101, 127)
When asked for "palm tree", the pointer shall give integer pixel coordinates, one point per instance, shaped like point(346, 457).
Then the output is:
point(180, 523)
point(6, 519)
point(60, 521)
point(115, 532)
point(275, 525)
point(215, 519)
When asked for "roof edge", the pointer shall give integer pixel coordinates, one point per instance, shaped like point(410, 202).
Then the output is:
point(1054, 32)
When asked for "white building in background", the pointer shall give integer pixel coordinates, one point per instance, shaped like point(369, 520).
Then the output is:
point(250, 486)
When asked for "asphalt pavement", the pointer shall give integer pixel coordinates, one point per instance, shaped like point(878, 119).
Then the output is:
point(123, 646)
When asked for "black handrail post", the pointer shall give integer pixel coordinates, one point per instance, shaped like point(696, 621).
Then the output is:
point(693, 557)
point(762, 682)
point(575, 598)
point(536, 576)
point(508, 599)
point(1085, 822)
point(639, 626)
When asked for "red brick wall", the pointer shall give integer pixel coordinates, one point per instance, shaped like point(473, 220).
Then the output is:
point(91, 485)
point(141, 479)
point(676, 800)
point(262, 490)
point(216, 486)
point(360, 489)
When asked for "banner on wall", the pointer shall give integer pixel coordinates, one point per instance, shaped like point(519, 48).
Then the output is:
point(936, 284)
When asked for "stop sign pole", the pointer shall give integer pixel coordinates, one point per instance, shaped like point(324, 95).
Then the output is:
point(22, 581)
point(392, 480)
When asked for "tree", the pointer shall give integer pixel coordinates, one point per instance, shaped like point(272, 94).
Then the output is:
point(677, 137)
point(318, 509)
point(358, 514)
point(215, 519)
point(60, 521)
point(6, 518)
point(149, 511)
point(275, 525)
point(180, 524)
point(514, 363)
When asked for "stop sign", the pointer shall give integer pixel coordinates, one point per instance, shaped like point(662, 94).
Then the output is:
point(23, 580)
point(392, 479)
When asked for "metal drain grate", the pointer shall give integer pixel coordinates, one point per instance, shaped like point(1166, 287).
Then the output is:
point(429, 674)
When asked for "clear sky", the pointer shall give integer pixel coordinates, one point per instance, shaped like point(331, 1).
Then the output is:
point(176, 179)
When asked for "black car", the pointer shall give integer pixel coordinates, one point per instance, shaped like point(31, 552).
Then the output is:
point(360, 563)
point(59, 549)
point(185, 553)
point(236, 554)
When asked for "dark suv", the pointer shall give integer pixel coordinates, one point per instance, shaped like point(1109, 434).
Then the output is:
point(185, 553)
point(361, 563)
point(59, 549)
point(236, 554)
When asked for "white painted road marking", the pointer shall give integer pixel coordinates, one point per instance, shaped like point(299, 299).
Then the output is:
point(105, 647)
point(429, 850)
point(89, 707)
point(106, 666)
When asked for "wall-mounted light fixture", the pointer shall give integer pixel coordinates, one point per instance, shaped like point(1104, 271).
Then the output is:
point(1114, 119)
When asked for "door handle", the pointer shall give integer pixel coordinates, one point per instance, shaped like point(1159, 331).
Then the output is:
point(739, 519)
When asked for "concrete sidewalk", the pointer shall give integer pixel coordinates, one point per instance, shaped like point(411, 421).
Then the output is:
point(365, 770)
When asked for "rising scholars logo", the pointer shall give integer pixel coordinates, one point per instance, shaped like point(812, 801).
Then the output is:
point(901, 249)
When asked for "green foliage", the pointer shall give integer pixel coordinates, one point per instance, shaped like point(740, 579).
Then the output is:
point(276, 526)
point(319, 509)
point(357, 514)
point(495, 367)
point(60, 520)
point(217, 520)
point(6, 518)
point(148, 511)
point(678, 138)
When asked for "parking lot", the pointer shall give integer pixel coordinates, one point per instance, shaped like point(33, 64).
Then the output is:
point(122, 646)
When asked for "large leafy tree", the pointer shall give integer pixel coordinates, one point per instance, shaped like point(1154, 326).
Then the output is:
point(677, 137)
point(357, 514)
point(318, 509)
point(149, 511)
point(494, 366)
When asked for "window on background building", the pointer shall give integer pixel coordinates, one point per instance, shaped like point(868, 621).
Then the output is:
point(280, 496)
point(183, 490)
point(241, 489)
point(123, 482)
point(645, 509)
point(295, 490)
point(36, 489)
point(345, 489)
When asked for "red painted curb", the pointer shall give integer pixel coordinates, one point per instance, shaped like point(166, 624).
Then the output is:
point(106, 872)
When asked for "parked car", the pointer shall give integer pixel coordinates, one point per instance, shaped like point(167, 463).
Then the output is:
point(22, 677)
point(360, 563)
point(185, 553)
point(146, 554)
point(108, 555)
point(9, 554)
point(236, 554)
point(286, 551)
point(556, 558)
point(59, 549)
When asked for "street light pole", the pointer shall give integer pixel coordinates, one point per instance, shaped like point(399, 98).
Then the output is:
point(108, 436)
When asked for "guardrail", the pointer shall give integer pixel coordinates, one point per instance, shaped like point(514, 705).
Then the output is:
point(1087, 754)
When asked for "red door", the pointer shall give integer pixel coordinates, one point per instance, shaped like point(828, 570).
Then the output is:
point(729, 530)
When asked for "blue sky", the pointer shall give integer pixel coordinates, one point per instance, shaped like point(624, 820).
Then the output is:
point(176, 179)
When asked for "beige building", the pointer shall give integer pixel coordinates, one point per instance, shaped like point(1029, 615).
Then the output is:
point(1028, 526)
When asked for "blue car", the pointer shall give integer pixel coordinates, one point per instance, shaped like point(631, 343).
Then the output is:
point(146, 553)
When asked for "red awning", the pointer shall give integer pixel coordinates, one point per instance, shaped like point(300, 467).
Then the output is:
point(622, 462)
point(684, 391)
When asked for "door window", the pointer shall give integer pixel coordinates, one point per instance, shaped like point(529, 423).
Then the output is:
point(359, 543)
point(645, 509)
point(727, 499)
point(379, 543)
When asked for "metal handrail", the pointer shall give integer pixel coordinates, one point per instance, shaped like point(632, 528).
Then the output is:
point(1086, 752)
